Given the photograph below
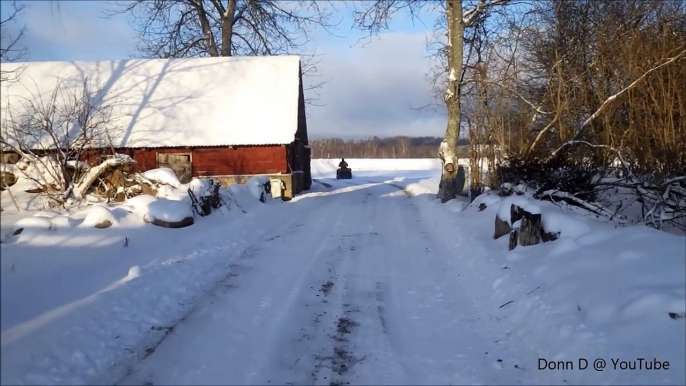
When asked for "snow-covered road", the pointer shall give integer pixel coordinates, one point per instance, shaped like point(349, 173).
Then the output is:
point(358, 289)
point(362, 281)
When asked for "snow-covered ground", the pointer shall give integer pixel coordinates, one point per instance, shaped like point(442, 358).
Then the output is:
point(78, 301)
point(367, 281)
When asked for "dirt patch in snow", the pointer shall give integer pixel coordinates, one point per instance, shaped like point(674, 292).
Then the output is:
point(326, 287)
point(345, 325)
point(342, 361)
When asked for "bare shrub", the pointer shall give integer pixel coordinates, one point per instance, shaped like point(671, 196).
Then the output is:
point(55, 133)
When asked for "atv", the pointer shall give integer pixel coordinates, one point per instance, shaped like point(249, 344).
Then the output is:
point(344, 173)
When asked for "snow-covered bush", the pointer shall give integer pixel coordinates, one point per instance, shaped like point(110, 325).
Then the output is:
point(542, 175)
point(204, 195)
point(199, 186)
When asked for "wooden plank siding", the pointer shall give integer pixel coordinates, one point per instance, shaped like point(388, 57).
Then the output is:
point(219, 161)
point(241, 160)
point(208, 161)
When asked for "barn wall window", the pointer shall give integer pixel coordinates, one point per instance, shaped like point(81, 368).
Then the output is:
point(180, 163)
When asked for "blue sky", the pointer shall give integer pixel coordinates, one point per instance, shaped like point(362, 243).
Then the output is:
point(372, 87)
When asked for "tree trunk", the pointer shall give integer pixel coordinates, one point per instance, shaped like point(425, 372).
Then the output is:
point(512, 243)
point(530, 230)
point(448, 151)
point(206, 28)
point(227, 28)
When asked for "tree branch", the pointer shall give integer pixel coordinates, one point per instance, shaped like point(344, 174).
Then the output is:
point(613, 98)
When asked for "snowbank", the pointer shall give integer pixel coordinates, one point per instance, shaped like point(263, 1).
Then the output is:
point(30, 227)
point(139, 204)
point(80, 304)
point(61, 222)
point(618, 287)
point(598, 291)
point(565, 225)
point(98, 217)
point(258, 187)
point(241, 196)
point(163, 176)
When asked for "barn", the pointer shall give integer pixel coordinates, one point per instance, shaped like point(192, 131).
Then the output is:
point(228, 118)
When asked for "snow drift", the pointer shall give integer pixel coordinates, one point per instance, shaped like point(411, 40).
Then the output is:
point(598, 291)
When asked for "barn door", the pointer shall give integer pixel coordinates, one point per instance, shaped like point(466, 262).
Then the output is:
point(180, 163)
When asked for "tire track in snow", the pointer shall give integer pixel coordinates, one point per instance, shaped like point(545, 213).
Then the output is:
point(359, 349)
point(470, 353)
point(376, 295)
point(334, 356)
point(233, 268)
point(238, 270)
point(324, 353)
point(276, 327)
point(330, 353)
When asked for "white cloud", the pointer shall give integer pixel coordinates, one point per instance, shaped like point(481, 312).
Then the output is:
point(375, 89)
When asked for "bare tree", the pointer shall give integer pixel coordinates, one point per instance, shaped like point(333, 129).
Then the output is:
point(201, 28)
point(374, 18)
point(10, 49)
point(53, 136)
point(598, 97)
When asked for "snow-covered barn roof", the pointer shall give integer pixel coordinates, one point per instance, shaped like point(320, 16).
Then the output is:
point(176, 102)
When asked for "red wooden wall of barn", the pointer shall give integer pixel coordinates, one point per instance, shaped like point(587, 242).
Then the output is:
point(212, 161)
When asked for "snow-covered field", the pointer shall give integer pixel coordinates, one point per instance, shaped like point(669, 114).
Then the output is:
point(367, 281)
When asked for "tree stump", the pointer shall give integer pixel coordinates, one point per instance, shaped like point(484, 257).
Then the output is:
point(513, 239)
point(530, 231)
point(516, 213)
point(548, 236)
point(502, 227)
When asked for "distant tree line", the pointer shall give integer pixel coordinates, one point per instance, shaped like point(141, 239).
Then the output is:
point(390, 147)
